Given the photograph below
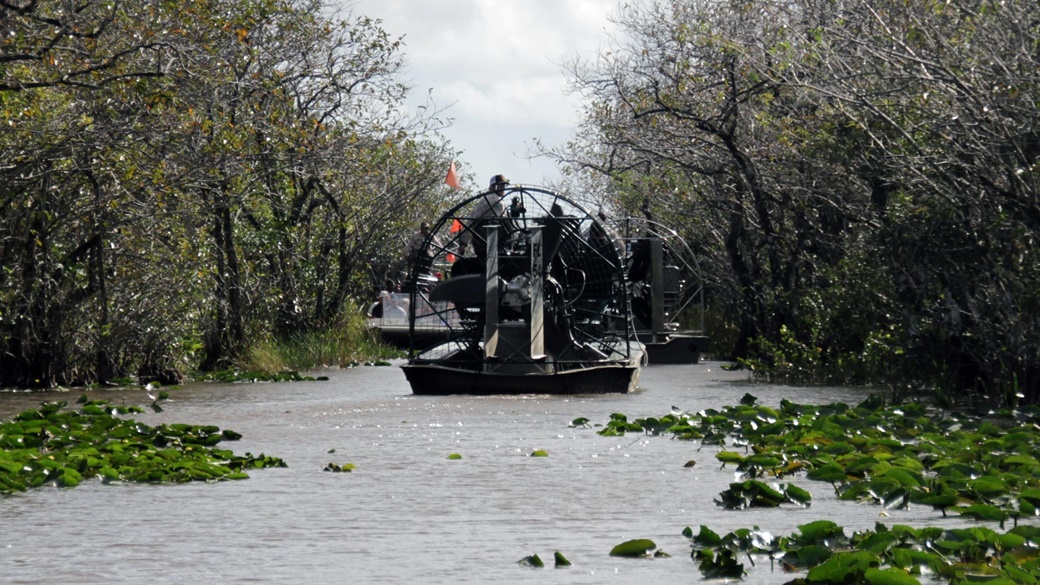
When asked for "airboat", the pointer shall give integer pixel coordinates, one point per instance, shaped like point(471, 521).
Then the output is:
point(666, 290)
point(532, 299)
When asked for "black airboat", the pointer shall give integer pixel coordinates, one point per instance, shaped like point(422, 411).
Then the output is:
point(530, 299)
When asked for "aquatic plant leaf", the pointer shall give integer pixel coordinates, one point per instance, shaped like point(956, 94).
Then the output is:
point(335, 468)
point(633, 548)
point(580, 422)
point(763, 461)
point(1022, 460)
point(560, 561)
point(1010, 541)
point(810, 556)
point(725, 457)
point(988, 487)
point(889, 577)
point(906, 558)
point(705, 538)
point(720, 565)
point(938, 501)
point(831, 473)
point(532, 561)
point(1020, 575)
point(984, 512)
point(539, 453)
point(896, 499)
point(878, 542)
point(454, 456)
point(1030, 494)
point(905, 477)
point(70, 477)
point(817, 531)
point(797, 494)
point(956, 470)
point(844, 567)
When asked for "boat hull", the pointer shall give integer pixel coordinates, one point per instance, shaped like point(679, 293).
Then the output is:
point(439, 380)
point(675, 348)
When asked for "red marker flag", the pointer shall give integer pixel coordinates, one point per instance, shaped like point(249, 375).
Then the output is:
point(452, 180)
point(456, 226)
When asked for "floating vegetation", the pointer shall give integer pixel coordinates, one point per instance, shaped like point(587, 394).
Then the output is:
point(335, 468)
point(539, 453)
point(454, 457)
point(641, 547)
point(755, 494)
point(533, 561)
point(52, 446)
point(536, 562)
point(894, 555)
point(984, 468)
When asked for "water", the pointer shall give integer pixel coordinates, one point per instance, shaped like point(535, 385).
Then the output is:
point(407, 513)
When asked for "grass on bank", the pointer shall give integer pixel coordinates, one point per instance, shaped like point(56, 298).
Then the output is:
point(348, 343)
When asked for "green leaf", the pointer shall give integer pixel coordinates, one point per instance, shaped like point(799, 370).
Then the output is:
point(70, 477)
point(797, 494)
point(633, 548)
point(729, 457)
point(539, 453)
point(818, 531)
point(720, 565)
point(889, 577)
point(532, 561)
point(560, 561)
point(984, 512)
point(706, 538)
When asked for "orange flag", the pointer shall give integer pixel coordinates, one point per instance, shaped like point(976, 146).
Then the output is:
point(456, 226)
point(452, 180)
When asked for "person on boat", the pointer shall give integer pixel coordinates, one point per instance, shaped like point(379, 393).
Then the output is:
point(414, 251)
point(490, 206)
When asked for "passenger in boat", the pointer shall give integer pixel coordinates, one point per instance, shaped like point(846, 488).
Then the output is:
point(490, 206)
point(416, 254)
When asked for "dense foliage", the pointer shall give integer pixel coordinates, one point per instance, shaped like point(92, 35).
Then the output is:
point(179, 180)
point(860, 178)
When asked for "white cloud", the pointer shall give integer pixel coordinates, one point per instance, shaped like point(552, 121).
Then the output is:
point(499, 63)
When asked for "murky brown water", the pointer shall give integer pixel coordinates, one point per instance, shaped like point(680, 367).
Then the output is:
point(408, 514)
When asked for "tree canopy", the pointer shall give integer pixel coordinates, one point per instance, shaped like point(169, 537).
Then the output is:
point(860, 176)
point(177, 178)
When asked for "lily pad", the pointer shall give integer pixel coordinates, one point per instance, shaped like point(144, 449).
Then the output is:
point(633, 548)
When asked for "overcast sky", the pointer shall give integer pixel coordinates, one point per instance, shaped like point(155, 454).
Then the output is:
point(499, 65)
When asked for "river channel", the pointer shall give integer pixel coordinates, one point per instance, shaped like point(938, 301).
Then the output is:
point(408, 514)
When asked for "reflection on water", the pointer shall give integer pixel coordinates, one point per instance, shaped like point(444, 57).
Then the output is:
point(407, 512)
